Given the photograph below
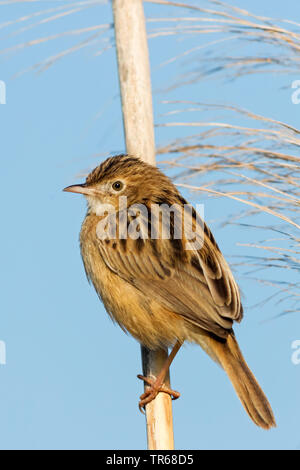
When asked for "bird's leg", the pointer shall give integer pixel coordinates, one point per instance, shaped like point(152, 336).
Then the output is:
point(157, 385)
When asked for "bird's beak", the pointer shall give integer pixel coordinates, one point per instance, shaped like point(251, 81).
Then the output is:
point(81, 189)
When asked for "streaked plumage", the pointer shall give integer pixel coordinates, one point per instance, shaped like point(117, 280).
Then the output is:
point(159, 291)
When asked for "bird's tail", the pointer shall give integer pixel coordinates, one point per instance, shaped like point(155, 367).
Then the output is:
point(249, 392)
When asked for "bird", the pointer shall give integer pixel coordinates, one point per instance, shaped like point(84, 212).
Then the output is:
point(163, 290)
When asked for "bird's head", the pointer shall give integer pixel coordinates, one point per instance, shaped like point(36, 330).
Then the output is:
point(128, 176)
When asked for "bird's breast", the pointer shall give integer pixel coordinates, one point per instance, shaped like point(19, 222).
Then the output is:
point(136, 312)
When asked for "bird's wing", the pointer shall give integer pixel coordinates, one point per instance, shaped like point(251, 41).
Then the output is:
point(194, 283)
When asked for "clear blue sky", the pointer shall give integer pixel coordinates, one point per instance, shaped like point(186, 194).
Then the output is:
point(70, 378)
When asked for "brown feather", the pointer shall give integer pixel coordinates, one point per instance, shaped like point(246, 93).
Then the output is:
point(249, 392)
point(161, 292)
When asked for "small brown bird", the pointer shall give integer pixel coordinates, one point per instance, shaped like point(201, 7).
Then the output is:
point(159, 289)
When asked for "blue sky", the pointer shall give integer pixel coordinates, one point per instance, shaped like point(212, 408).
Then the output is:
point(70, 377)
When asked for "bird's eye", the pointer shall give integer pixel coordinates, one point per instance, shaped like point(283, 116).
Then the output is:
point(117, 185)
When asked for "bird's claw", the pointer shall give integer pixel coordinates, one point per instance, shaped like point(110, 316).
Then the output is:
point(155, 387)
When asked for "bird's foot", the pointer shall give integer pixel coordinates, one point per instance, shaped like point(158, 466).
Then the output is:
point(155, 386)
